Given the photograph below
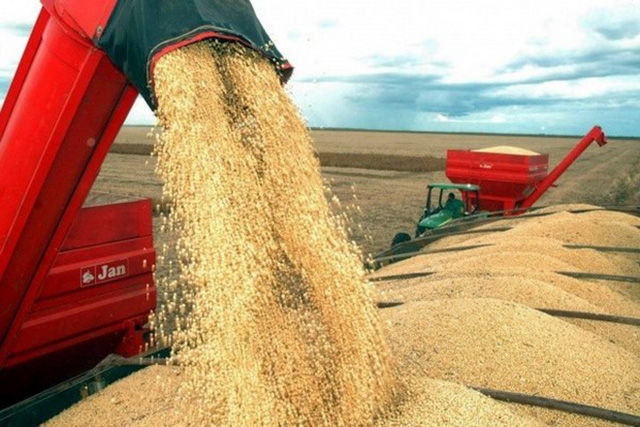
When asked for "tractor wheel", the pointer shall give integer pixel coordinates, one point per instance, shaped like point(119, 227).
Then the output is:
point(400, 238)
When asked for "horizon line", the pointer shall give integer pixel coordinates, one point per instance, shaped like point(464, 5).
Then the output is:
point(540, 135)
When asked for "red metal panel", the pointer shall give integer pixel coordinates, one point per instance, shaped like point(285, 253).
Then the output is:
point(69, 315)
point(109, 223)
point(504, 179)
point(63, 111)
point(67, 111)
point(111, 334)
point(23, 69)
point(85, 19)
point(27, 148)
point(138, 256)
point(23, 379)
point(46, 328)
point(509, 181)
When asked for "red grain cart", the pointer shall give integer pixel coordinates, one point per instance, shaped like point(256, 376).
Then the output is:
point(512, 183)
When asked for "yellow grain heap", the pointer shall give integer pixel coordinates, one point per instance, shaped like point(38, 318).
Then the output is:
point(513, 248)
point(474, 321)
point(274, 322)
point(145, 399)
point(507, 149)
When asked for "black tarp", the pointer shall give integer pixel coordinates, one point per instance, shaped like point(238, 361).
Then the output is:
point(140, 29)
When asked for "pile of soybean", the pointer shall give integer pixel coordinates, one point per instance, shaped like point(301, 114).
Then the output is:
point(476, 321)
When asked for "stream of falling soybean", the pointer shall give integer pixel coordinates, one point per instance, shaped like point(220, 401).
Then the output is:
point(273, 324)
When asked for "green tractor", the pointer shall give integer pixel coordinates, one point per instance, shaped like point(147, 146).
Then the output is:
point(447, 208)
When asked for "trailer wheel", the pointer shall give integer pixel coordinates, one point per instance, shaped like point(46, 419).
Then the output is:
point(400, 238)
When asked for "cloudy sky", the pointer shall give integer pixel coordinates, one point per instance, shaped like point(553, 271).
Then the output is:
point(544, 66)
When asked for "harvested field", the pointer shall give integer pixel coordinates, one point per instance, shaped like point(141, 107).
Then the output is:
point(382, 209)
point(374, 161)
point(389, 206)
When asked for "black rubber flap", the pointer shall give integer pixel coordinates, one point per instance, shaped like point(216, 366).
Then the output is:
point(139, 30)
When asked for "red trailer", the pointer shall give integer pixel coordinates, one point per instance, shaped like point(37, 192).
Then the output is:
point(94, 300)
point(63, 110)
point(512, 182)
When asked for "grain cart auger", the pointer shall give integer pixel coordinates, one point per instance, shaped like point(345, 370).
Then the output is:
point(76, 284)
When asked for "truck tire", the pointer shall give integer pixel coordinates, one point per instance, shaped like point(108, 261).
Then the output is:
point(400, 238)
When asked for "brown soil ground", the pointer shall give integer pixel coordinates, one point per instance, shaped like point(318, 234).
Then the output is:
point(390, 200)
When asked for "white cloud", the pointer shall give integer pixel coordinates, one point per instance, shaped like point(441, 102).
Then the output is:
point(585, 88)
point(15, 15)
point(517, 45)
point(474, 38)
point(11, 48)
point(140, 113)
point(22, 12)
point(498, 118)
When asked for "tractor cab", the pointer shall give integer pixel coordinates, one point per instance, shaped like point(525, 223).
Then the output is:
point(444, 205)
